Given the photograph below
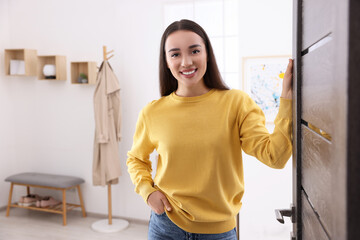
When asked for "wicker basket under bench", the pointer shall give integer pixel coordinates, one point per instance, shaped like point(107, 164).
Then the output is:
point(49, 181)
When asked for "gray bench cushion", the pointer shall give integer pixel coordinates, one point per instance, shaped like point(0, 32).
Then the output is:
point(48, 180)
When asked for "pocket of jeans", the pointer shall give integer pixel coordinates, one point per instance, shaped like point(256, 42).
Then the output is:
point(161, 214)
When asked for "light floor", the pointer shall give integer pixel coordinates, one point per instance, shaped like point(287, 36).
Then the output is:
point(23, 224)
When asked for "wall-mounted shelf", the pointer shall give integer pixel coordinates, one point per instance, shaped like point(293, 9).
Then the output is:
point(58, 61)
point(29, 58)
point(87, 68)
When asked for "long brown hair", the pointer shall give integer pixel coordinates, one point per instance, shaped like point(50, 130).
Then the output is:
point(212, 77)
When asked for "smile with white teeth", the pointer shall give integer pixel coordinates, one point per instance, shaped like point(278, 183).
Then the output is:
point(188, 73)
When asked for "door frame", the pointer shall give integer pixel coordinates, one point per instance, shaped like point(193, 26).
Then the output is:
point(296, 158)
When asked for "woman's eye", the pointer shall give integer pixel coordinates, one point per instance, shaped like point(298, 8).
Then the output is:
point(174, 55)
point(195, 51)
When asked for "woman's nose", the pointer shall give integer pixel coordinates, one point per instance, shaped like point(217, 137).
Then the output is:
point(186, 61)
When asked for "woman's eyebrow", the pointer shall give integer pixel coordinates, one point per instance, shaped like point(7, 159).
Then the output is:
point(174, 49)
point(178, 49)
point(195, 45)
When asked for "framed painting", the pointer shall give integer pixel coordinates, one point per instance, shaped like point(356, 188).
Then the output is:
point(262, 80)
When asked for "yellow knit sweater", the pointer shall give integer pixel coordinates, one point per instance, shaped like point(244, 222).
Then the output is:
point(199, 142)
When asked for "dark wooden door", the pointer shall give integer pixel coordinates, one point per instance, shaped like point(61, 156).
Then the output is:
point(326, 132)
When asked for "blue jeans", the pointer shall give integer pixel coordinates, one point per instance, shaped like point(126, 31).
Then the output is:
point(162, 228)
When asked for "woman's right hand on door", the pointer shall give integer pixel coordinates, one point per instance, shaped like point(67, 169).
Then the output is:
point(157, 201)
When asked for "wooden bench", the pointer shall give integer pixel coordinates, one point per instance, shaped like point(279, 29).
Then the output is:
point(49, 181)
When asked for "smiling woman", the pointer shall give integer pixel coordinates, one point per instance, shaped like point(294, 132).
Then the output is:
point(199, 128)
point(187, 62)
point(185, 47)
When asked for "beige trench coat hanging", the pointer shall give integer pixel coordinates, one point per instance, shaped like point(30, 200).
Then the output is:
point(106, 162)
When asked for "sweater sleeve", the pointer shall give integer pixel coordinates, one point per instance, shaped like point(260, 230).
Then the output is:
point(138, 163)
point(273, 149)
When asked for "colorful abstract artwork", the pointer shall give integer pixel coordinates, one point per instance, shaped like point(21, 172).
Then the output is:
point(263, 82)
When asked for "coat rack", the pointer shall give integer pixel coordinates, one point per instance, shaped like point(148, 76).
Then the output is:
point(109, 225)
point(106, 53)
point(109, 185)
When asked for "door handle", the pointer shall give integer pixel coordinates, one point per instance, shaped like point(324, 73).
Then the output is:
point(281, 213)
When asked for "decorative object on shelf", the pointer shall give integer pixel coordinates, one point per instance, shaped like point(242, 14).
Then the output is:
point(49, 71)
point(17, 67)
point(83, 78)
point(51, 67)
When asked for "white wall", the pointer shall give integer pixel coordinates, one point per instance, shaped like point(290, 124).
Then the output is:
point(7, 162)
point(48, 126)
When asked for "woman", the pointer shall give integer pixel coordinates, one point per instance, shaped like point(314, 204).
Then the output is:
point(199, 128)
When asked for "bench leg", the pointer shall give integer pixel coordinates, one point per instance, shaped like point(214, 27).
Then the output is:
point(64, 206)
point(81, 201)
point(9, 202)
